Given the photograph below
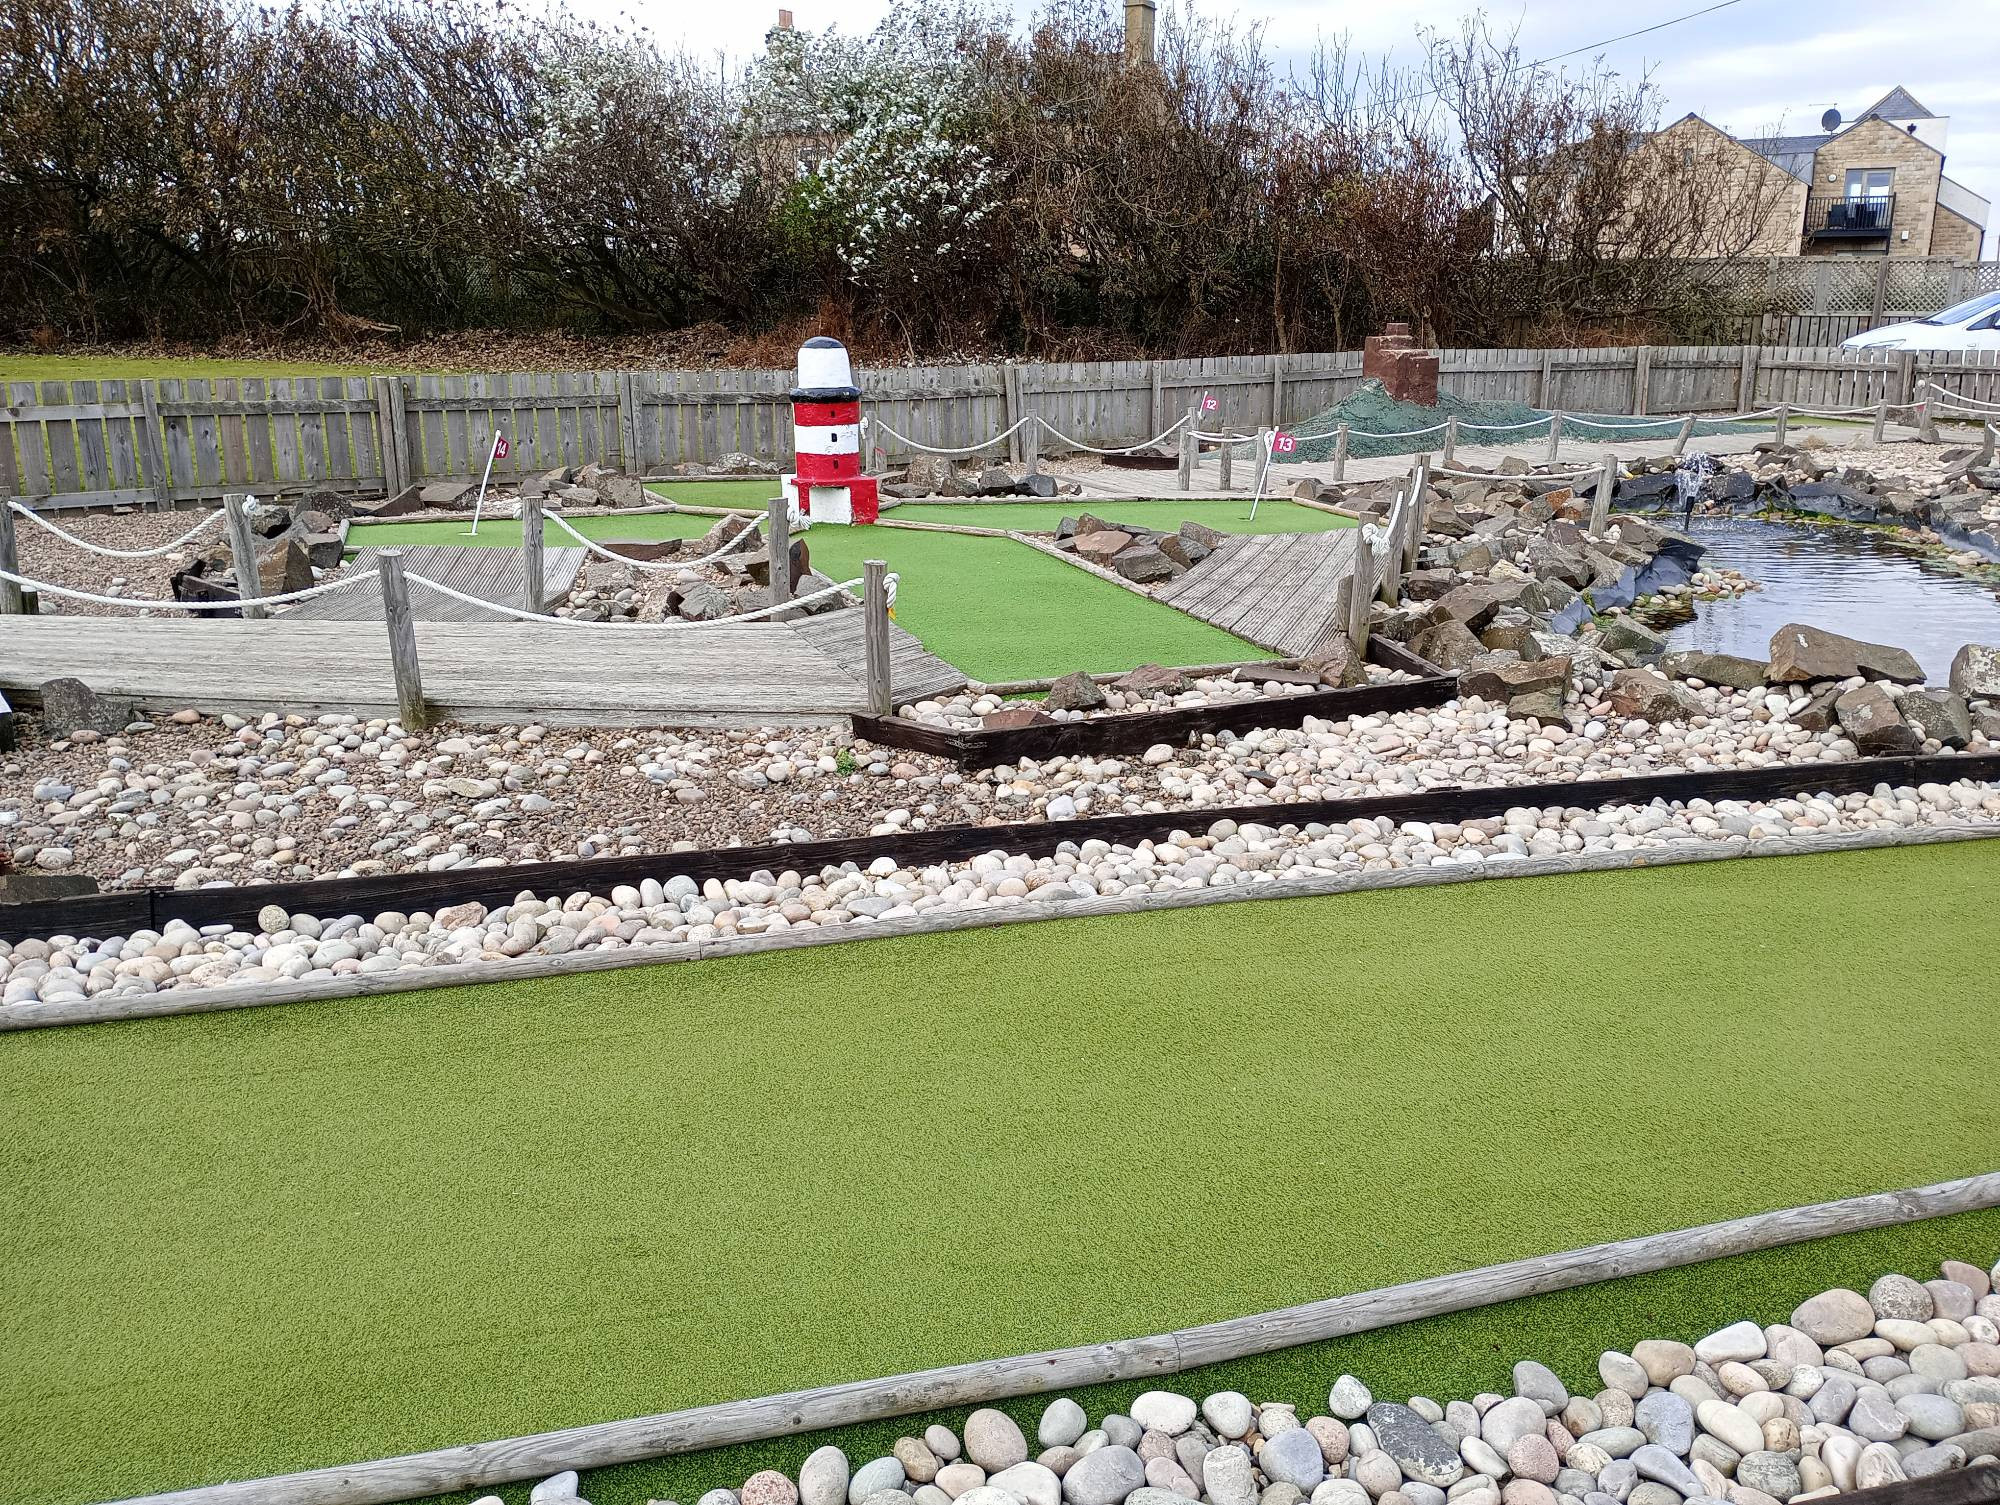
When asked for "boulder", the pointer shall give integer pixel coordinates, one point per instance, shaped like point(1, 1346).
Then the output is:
point(1039, 484)
point(730, 529)
point(622, 491)
point(1201, 533)
point(1152, 679)
point(1337, 662)
point(1632, 640)
point(1939, 714)
point(1014, 717)
point(1450, 645)
point(1101, 545)
point(1473, 604)
point(1145, 563)
point(1501, 683)
point(700, 602)
point(271, 520)
point(1816, 715)
point(70, 705)
point(445, 493)
point(1871, 716)
point(1975, 671)
point(1717, 669)
point(282, 568)
point(997, 480)
point(1642, 693)
point(1801, 653)
point(922, 473)
point(1170, 545)
point(1075, 692)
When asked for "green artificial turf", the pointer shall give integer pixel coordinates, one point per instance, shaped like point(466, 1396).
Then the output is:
point(276, 1238)
point(993, 607)
point(1274, 515)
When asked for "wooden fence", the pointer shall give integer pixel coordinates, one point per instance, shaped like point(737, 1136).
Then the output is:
point(98, 443)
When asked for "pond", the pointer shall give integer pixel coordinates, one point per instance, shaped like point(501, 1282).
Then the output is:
point(1848, 580)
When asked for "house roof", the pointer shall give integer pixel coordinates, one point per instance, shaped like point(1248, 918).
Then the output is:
point(1898, 104)
point(1792, 153)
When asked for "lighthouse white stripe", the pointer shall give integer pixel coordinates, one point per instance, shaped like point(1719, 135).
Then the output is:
point(827, 439)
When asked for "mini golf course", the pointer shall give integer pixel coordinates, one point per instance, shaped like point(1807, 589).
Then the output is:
point(991, 606)
point(296, 1236)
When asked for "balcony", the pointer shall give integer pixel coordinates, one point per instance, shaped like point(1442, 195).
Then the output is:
point(1837, 217)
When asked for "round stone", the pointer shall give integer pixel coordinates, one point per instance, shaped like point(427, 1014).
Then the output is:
point(1510, 1421)
point(956, 1478)
point(1733, 1427)
point(1165, 1411)
point(1621, 1371)
point(1293, 1457)
point(1667, 1421)
point(1228, 1413)
point(1229, 1476)
point(1773, 1473)
point(1349, 1398)
point(874, 1477)
point(920, 1464)
point(769, 1487)
point(1332, 1438)
point(1527, 1492)
point(1422, 1455)
point(1538, 1382)
point(1030, 1483)
point(994, 1441)
point(1901, 1297)
point(823, 1477)
point(1836, 1316)
point(1740, 1341)
point(1534, 1458)
point(1663, 1360)
point(1062, 1423)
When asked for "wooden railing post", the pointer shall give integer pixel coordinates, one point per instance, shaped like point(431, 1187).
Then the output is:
point(1555, 436)
point(778, 549)
point(1927, 423)
point(1600, 504)
point(1784, 422)
point(1881, 420)
point(531, 553)
point(402, 640)
point(1450, 439)
point(1420, 486)
point(875, 632)
point(1184, 477)
point(1686, 433)
point(1031, 439)
point(1225, 473)
point(243, 544)
point(11, 603)
point(1361, 589)
point(1340, 443)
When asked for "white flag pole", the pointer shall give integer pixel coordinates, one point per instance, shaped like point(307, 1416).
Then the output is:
point(1264, 437)
point(480, 501)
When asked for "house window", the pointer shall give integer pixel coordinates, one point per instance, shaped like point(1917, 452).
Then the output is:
point(1869, 182)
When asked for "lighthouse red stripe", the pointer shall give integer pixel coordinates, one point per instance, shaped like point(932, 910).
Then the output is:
point(825, 414)
point(820, 469)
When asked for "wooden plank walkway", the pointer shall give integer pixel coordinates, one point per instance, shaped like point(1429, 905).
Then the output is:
point(1278, 590)
point(489, 573)
point(588, 674)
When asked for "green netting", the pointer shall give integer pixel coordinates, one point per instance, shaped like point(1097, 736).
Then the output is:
point(1377, 424)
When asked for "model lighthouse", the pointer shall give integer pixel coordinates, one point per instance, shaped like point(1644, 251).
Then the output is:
point(826, 435)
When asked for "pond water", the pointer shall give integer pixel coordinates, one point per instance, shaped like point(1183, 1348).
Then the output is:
point(1847, 580)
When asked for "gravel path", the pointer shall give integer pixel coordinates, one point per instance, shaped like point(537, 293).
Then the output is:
point(46, 557)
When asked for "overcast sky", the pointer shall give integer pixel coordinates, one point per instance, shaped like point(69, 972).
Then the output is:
point(1751, 66)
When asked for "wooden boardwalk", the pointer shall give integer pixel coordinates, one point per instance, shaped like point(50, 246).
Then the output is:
point(1279, 590)
point(489, 573)
point(589, 674)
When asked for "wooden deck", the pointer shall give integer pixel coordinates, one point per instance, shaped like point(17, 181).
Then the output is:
point(594, 674)
point(489, 573)
point(1279, 590)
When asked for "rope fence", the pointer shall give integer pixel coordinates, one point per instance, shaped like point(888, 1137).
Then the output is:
point(83, 543)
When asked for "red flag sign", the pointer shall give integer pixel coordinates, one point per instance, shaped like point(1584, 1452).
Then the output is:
point(1209, 403)
point(500, 447)
point(1283, 443)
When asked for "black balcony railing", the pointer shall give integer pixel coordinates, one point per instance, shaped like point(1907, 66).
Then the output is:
point(1837, 216)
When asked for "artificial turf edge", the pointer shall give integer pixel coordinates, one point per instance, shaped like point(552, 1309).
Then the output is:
point(1449, 1357)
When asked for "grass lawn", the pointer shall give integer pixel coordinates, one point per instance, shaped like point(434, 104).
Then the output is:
point(298, 1236)
point(993, 607)
point(17, 367)
point(1274, 515)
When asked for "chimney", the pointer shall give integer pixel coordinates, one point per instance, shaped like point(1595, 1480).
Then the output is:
point(784, 20)
point(1139, 31)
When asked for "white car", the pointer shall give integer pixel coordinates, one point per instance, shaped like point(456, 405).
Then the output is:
point(1971, 325)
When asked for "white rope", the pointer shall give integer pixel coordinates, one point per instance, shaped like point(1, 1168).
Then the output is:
point(1504, 428)
point(749, 528)
point(1224, 438)
point(1498, 475)
point(84, 543)
point(970, 449)
point(76, 595)
point(747, 616)
point(1130, 449)
point(1961, 398)
point(1438, 428)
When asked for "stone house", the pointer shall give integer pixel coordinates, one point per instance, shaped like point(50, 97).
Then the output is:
point(1877, 185)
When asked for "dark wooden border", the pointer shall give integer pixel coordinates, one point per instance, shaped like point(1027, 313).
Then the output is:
point(1178, 728)
point(122, 912)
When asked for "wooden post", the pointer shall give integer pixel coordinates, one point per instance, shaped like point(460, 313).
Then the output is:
point(1686, 433)
point(1880, 301)
point(11, 604)
point(1031, 439)
point(1184, 478)
point(1450, 439)
point(1361, 592)
point(1746, 380)
point(1157, 411)
point(1395, 529)
point(1906, 377)
point(1413, 537)
point(628, 425)
point(531, 553)
point(1600, 504)
point(1223, 467)
point(152, 449)
point(395, 444)
point(778, 540)
point(402, 641)
point(1555, 436)
point(1881, 420)
point(243, 544)
point(1277, 391)
point(1927, 423)
point(1784, 422)
point(1010, 406)
point(1987, 434)
point(875, 631)
point(1340, 454)
point(1642, 379)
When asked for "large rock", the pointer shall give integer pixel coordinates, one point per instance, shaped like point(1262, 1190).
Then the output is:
point(997, 480)
point(1146, 563)
point(1717, 669)
point(622, 491)
point(993, 1440)
point(1075, 692)
point(1420, 1452)
point(1473, 604)
point(1449, 645)
point(1869, 714)
point(70, 705)
point(1337, 662)
point(1152, 679)
point(823, 1478)
point(1293, 1457)
point(1102, 545)
point(699, 602)
point(1504, 683)
point(1975, 671)
point(1632, 640)
point(1801, 653)
point(282, 568)
point(1641, 693)
point(1836, 1316)
point(1939, 714)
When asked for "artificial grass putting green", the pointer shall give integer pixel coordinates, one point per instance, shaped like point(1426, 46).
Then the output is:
point(277, 1238)
point(995, 608)
point(1274, 514)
